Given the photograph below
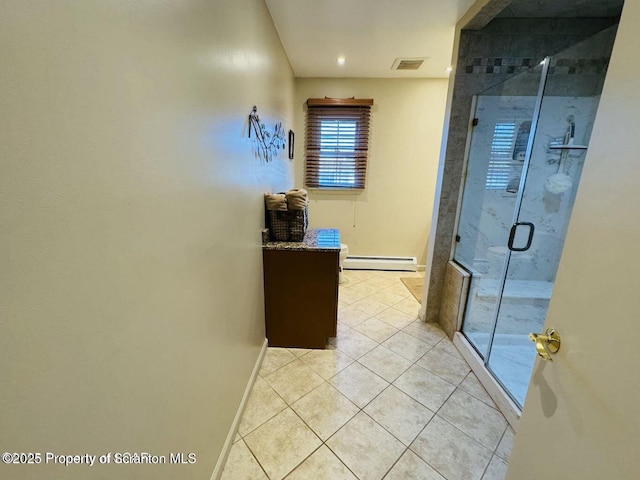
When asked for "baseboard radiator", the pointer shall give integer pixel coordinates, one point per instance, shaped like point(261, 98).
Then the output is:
point(409, 264)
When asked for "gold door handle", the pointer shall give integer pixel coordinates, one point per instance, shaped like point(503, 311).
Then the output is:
point(547, 343)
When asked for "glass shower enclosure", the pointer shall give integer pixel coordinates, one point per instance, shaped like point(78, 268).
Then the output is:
point(524, 161)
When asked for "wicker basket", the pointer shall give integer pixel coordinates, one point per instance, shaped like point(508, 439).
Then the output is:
point(289, 226)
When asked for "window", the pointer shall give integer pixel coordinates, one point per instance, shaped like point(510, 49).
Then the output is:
point(501, 160)
point(337, 142)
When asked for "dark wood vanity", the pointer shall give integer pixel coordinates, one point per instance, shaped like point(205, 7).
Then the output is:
point(301, 289)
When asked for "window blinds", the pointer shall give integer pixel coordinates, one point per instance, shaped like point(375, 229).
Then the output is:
point(336, 143)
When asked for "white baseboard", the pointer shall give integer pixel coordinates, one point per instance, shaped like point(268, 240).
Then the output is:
point(368, 262)
point(222, 459)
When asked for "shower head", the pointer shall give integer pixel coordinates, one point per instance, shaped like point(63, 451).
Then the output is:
point(558, 183)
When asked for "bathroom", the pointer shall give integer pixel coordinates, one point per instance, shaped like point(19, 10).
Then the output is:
point(517, 146)
point(498, 77)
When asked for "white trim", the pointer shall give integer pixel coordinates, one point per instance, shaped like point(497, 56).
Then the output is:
point(370, 262)
point(504, 403)
point(336, 190)
point(224, 454)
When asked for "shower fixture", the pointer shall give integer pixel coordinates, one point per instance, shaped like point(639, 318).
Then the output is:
point(560, 181)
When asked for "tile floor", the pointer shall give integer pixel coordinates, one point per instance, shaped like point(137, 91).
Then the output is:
point(389, 398)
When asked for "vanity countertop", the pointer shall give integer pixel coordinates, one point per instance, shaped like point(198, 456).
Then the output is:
point(316, 239)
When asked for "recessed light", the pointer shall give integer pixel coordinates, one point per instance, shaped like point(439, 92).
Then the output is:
point(448, 69)
point(341, 60)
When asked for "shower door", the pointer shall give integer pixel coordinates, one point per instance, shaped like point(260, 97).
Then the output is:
point(524, 163)
point(548, 190)
point(505, 118)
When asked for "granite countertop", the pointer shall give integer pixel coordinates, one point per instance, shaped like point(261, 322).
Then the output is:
point(316, 239)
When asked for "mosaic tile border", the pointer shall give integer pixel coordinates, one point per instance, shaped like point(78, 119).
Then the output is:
point(512, 65)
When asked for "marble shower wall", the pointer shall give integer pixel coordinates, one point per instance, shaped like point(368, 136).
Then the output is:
point(486, 215)
point(512, 44)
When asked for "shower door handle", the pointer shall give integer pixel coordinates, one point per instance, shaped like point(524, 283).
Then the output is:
point(512, 236)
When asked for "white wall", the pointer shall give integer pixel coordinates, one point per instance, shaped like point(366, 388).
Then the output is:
point(131, 209)
point(391, 216)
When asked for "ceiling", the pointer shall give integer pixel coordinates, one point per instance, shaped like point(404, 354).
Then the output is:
point(370, 34)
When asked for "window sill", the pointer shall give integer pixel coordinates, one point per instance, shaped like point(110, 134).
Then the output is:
point(334, 191)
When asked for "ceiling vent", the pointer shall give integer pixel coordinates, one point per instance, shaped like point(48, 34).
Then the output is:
point(408, 63)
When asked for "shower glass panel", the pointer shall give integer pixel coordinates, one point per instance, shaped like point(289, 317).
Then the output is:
point(524, 163)
point(557, 156)
point(497, 153)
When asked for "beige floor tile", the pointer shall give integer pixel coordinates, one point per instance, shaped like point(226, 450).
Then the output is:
point(407, 346)
point(298, 352)
point(241, 465)
point(326, 389)
point(351, 316)
point(506, 444)
point(354, 344)
point(451, 369)
point(382, 280)
point(399, 414)
point(360, 275)
point(348, 280)
point(395, 317)
point(342, 304)
point(497, 469)
point(472, 386)
point(349, 295)
point(376, 330)
point(363, 288)
point(449, 451)
point(282, 444)
point(475, 418)
point(411, 467)
point(370, 306)
point(358, 384)
point(409, 305)
point(399, 289)
point(264, 403)
point(445, 345)
point(275, 358)
point(397, 274)
point(387, 297)
point(327, 363)
point(427, 332)
point(322, 465)
point(325, 410)
point(425, 387)
point(293, 381)
point(385, 363)
point(366, 448)
point(341, 328)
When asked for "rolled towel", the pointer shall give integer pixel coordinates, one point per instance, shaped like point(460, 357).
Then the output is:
point(297, 199)
point(276, 201)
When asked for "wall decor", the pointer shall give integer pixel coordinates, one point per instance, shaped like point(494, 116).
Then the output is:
point(291, 144)
point(267, 144)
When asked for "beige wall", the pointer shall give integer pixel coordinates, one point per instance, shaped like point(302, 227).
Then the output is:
point(130, 205)
point(580, 417)
point(391, 216)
